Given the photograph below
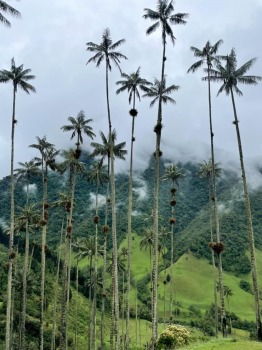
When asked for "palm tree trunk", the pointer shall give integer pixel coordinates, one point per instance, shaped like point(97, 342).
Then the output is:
point(53, 346)
point(90, 304)
point(102, 334)
point(62, 341)
point(112, 316)
point(68, 254)
point(67, 268)
point(43, 259)
point(249, 226)
point(156, 195)
point(123, 311)
point(11, 237)
point(213, 258)
point(214, 197)
point(129, 231)
point(136, 320)
point(31, 257)
point(76, 305)
point(114, 234)
point(95, 271)
point(171, 266)
point(25, 274)
point(13, 302)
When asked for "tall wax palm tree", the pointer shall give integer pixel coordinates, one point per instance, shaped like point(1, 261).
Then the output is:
point(103, 149)
point(47, 160)
point(62, 202)
point(98, 176)
point(27, 170)
point(72, 165)
point(163, 17)
point(172, 173)
point(5, 8)
point(158, 92)
point(230, 76)
point(87, 247)
point(79, 126)
point(228, 294)
point(208, 56)
point(160, 89)
point(147, 243)
point(132, 83)
point(28, 217)
point(20, 78)
point(105, 51)
point(206, 171)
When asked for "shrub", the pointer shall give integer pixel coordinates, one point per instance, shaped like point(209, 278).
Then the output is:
point(246, 286)
point(173, 336)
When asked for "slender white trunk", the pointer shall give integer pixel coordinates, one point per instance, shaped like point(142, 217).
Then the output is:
point(43, 259)
point(53, 340)
point(11, 236)
point(214, 198)
point(129, 232)
point(249, 226)
point(156, 195)
point(114, 233)
point(25, 274)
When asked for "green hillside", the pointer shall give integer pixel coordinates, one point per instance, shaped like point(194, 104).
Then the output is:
point(192, 271)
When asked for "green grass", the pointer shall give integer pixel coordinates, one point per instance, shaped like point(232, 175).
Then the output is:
point(193, 285)
point(225, 344)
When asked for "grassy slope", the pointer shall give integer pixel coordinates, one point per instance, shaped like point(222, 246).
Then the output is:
point(225, 344)
point(193, 282)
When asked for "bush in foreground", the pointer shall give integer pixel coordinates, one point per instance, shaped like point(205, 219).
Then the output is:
point(172, 337)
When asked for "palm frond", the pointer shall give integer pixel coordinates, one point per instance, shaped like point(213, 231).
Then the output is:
point(152, 28)
point(195, 66)
point(151, 14)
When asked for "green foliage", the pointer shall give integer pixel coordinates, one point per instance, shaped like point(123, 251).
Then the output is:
point(172, 337)
point(246, 286)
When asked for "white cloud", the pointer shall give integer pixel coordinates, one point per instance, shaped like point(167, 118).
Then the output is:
point(101, 200)
point(140, 187)
point(136, 213)
point(3, 223)
point(32, 188)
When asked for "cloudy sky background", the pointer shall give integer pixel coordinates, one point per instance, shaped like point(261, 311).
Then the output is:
point(50, 39)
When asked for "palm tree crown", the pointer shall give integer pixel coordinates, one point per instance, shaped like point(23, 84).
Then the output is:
point(206, 168)
point(164, 16)
point(230, 75)
point(19, 76)
point(104, 148)
point(132, 83)
point(105, 51)
point(173, 173)
point(5, 8)
point(27, 170)
point(206, 55)
point(71, 162)
point(78, 126)
point(160, 89)
point(97, 174)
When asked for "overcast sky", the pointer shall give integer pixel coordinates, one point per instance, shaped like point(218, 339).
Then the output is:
point(50, 39)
